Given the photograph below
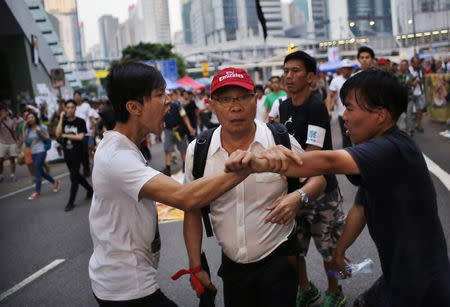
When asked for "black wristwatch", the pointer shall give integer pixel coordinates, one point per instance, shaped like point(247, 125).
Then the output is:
point(305, 198)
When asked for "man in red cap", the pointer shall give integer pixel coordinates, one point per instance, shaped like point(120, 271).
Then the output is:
point(254, 222)
point(384, 64)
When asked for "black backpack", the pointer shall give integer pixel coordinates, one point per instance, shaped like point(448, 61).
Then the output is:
point(281, 137)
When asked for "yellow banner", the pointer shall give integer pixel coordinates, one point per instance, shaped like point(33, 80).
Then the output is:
point(436, 94)
point(100, 74)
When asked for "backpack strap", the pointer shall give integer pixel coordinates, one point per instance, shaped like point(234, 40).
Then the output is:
point(198, 168)
point(281, 137)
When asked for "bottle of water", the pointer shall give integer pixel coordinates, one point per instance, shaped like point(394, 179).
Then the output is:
point(354, 268)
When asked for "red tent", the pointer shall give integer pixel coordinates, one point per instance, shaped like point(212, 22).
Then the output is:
point(188, 82)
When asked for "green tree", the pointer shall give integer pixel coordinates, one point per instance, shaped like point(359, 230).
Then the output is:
point(149, 51)
point(89, 87)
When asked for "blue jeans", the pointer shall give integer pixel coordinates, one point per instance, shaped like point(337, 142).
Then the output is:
point(38, 165)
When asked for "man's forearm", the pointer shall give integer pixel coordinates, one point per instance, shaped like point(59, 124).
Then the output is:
point(195, 194)
point(74, 137)
point(193, 233)
point(187, 122)
point(314, 186)
point(58, 131)
point(204, 190)
point(354, 224)
point(315, 163)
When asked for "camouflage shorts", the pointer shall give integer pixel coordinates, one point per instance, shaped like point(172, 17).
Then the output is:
point(323, 220)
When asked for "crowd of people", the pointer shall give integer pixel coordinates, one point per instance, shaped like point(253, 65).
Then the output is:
point(235, 139)
point(74, 129)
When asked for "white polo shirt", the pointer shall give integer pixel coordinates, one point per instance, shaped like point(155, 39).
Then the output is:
point(238, 215)
point(124, 263)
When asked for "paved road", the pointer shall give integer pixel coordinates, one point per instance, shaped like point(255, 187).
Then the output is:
point(35, 233)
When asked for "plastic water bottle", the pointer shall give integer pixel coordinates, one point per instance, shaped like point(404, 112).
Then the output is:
point(354, 268)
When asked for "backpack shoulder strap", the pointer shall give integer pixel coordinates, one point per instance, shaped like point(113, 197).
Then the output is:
point(200, 155)
point(281, 137)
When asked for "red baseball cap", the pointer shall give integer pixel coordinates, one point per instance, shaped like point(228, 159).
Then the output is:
point(232, 76)
point(383, 61)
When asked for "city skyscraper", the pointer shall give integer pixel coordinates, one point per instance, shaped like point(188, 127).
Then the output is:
point(186, 6)
point(429, 15)
point(311, 18)
point(274, 20)
point(151, 21)
point(339, 27)
point(370, 17)
point(108, 27)
point(65, 11)
point(216, 21)
point(82, 40)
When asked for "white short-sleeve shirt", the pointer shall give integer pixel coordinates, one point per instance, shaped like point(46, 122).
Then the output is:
point(238, 215)
point(124, 229)
point(94, 114)
point(82, 111)
point(335, 86)
point(260, 109)
point(275, 111)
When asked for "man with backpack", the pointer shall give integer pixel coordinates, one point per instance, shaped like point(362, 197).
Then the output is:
point(259, 266)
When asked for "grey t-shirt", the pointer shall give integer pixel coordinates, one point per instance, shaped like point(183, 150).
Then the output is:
point(36, 141)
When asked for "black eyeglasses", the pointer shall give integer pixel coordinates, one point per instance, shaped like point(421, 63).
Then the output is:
point(228, 100)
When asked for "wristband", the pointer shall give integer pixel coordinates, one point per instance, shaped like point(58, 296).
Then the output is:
point(197, 283)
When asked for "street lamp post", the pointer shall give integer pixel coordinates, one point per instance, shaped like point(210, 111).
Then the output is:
point(414, 27)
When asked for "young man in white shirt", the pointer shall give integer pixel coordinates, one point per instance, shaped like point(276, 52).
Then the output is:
point(123, 217)
point(346, 70)
point(253, 222)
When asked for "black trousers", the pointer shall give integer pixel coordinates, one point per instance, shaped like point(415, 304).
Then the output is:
point(73, 161)
point(346, 142)
point(85, 157)
point(270, 282)
point(156, 299)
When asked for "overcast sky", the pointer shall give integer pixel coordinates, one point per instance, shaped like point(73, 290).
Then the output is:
point(89, 11)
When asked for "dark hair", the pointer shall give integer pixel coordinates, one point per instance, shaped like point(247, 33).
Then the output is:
point(131, 81)
point(366, 49)
point(76, 92)
point(259, 87)
point(36, 117)
point(308, 61)
point(274, 77)
point(379, 89)
point(70, 101)
point(3, 106)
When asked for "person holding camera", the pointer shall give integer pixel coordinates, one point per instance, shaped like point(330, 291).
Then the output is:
point(71, 131)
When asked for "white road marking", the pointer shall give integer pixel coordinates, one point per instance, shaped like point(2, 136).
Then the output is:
point(31, 186)
point(31, 278)
point(442, 175)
